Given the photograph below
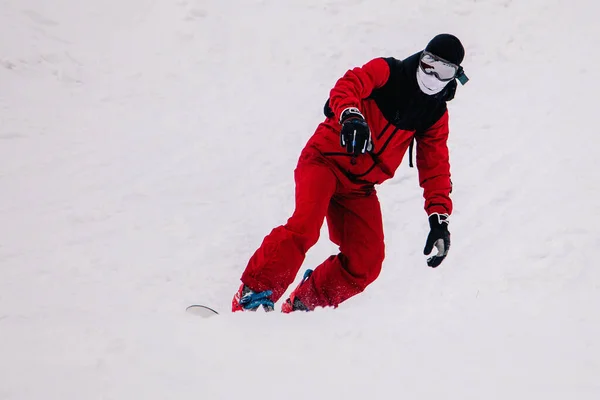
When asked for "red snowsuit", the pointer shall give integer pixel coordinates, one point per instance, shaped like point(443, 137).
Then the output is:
point(332, 184)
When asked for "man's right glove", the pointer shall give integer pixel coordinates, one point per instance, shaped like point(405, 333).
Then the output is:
point(355, 135)
point(438, 237)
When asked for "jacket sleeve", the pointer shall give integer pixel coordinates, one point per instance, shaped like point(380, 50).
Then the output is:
point(433, 163)
point(357, 84)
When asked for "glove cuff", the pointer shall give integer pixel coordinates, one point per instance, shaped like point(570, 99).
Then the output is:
point(439, 221)
point(350, 112)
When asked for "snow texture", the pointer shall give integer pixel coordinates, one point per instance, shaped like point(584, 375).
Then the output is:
point(146, 148)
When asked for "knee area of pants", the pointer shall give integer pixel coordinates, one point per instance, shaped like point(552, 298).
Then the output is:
point(303, 231)
point(303, 236)
point(373, 258)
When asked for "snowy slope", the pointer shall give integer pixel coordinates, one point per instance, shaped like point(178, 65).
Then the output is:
point(147, 147)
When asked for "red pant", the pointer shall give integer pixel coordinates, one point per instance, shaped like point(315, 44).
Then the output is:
point(355, 225)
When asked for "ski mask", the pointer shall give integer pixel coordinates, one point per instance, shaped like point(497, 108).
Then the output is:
point(429, 84)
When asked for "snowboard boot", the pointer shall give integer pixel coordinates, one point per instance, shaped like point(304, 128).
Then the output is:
point(247, 300)
point(293, 303)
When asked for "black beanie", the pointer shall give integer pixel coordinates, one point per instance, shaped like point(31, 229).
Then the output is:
point(447, 47)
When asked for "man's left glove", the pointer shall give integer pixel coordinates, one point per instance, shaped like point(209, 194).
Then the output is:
point(438, 237)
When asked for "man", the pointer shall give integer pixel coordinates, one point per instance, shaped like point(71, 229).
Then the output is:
point(373, 115)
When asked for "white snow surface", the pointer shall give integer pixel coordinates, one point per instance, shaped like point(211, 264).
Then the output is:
point(147, 147)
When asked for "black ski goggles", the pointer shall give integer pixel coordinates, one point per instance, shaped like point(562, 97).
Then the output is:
point(444, 70)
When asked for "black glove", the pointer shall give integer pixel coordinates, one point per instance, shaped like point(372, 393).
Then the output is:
point(438, 237)
point(355, 135)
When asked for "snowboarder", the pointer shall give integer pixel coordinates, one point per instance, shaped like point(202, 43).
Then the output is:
point(373, 114)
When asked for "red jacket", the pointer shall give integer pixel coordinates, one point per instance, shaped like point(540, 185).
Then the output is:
point(386, 92)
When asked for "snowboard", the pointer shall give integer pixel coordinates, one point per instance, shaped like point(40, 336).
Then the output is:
point(201, 311)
